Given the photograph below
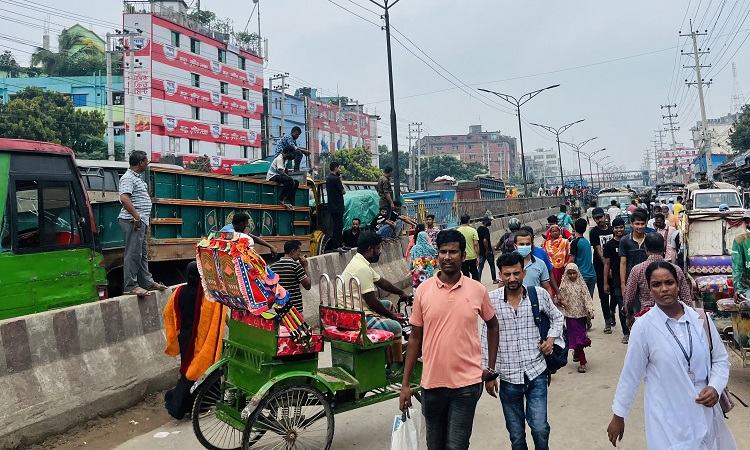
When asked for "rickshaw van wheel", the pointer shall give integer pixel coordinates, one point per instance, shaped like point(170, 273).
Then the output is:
point(211, 432)
point(292, 416)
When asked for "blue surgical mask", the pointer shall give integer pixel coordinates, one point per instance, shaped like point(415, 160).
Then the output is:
point(524, 250)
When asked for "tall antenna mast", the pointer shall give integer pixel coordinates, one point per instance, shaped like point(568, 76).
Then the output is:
point(738, 99)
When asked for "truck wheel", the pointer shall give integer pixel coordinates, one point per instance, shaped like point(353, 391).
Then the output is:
point(295, 416)
point(213, 433)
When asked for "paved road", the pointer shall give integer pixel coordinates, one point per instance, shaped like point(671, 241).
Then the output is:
point(579, 409)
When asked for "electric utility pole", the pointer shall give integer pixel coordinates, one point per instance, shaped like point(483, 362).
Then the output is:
point(121, 48)
point(670, 122)
point(700, 82)
point(411, 161)
point(386, 6)
point(655, 144)
point(419, 154)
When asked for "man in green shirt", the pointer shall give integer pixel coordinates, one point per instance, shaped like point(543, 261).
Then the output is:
point(741, 260)
point(469, 266)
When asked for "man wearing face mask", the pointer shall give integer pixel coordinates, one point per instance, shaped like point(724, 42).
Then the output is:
point(536, 270)
point(741, 260)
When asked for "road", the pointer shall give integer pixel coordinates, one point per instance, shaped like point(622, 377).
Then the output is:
point(579, 411)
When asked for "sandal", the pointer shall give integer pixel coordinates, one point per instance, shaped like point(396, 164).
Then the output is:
point(581, 369)
point(156, 286)
point(139, 291)
point(607, 330)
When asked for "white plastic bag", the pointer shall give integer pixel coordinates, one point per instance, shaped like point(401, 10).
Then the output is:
point(405, 435)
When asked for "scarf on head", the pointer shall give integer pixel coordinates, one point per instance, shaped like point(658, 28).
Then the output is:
point(576, 294)
point(422, 247)
point(557, 249)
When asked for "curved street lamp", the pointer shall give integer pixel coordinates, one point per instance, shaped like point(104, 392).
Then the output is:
point(578, 148)
point(518, 102)
point(557, 132)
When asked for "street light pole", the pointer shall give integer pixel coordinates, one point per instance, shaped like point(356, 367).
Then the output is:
point(394, 132)
point(598, 170)
point(578, 148)
point(518, 102)
point(590, 156)
point(557, 132)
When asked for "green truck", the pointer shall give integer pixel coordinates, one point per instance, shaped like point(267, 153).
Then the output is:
point(50, 255)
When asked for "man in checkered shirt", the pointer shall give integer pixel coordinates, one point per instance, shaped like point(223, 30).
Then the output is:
point(520, 356)
point(134, 219)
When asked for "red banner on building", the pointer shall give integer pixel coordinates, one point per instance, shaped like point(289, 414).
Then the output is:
point(171, 126)
point(180, 93)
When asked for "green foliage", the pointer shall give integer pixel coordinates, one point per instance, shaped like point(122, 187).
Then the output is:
point(50, 117)
point(356, 164)
point(739, 136)
point(386, 160)
point(8, 63)
point(66, 62)
point(448, 165)
point(202, 16)
point(200, 164)
point(246, 40)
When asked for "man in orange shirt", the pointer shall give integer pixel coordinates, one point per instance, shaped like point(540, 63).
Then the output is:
point(444, 330)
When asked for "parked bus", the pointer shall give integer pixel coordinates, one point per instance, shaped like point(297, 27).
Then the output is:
point(49, 250)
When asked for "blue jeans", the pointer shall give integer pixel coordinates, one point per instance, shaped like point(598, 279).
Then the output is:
point(591, 284)
point(449, 416)
point(386, 231)
point(490, 258)
point(511, 397)
point(381, 323)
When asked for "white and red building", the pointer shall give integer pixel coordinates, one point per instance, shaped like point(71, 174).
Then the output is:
point(196, 94)
point(681, 157)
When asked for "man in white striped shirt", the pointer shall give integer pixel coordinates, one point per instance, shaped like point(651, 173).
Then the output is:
point(134, 219)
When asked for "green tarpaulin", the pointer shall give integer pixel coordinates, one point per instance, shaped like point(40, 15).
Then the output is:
point(362, 204)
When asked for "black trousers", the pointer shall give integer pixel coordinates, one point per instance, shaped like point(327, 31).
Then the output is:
point(603, 297)
point(337, 220)
point(469, 268)
point(288, 187)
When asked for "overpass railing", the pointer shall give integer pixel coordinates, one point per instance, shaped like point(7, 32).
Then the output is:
point(448, 212)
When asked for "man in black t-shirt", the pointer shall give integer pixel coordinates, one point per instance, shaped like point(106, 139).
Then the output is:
point(485, 248)
point(335, 190)
point(612, 271)
point(390, 227)
point(599, 236)
point(351, 236)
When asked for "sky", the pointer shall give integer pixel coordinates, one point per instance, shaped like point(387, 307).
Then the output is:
point(616, 62)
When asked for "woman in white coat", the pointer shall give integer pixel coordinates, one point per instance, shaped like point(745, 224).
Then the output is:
point(683, 378)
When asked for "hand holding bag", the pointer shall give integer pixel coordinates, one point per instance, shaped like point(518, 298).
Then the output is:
point(405, 434)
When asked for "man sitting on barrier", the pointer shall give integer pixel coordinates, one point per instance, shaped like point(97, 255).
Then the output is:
point(379, 313)
point(390, 226)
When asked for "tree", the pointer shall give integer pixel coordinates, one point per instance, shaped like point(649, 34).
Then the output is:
point(356, 164)
point(448, 165)
point(203, 17)
point(8, 64)
point(68, 61)
point(49, 116)
point(386, 160)
point(200, 164)
point(739, 136)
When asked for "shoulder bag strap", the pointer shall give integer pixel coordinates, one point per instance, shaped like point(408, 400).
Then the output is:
point(534, 299)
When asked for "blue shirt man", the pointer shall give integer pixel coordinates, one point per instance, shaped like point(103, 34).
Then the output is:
point(290, 140)
point(582, 254)
point(536, 271)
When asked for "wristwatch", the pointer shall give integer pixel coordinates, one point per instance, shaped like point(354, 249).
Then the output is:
point(493, 374)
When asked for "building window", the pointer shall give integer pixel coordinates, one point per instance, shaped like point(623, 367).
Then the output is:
point(195, 113)
point(174, 144)
point(472, 156)
point(471, 147)
point(241, 62)
point(440, 149)
point(455, 147)
point(277, 104)
point(220, 148)
point(222, 55)
point(245, 94)
point(175, 39)
point(224, 87)
point(193, 146)
point(195, 80)
point(246, 123)
point(454, 138)
point(279, 131)
point(79, 99)
point(245, 152)
point(294, 109)
point(224, 118)
point(195, 46)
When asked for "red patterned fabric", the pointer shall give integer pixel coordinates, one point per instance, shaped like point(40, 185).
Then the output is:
point(252, 320)
point(375, 336)
point(343, 320)
point(287, 347)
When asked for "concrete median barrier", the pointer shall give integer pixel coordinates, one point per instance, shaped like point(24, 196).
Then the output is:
point(61, 368)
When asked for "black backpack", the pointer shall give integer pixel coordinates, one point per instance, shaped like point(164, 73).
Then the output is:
point(559, 356)
point(508, 242)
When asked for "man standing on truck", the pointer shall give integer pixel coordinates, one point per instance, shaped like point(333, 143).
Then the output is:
point(385, 191)
point(290, 140)
point(741, 260)
point(134, 220)
point(335, 190)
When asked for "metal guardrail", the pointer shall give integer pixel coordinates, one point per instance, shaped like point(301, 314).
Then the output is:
point(448, 212)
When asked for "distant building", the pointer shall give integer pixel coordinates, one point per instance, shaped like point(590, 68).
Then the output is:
point(196, 92)
point(677, 162)
point(719, 129)
point(87, 93)
point(490, 148)
point(88, 39)
point(543, 167)
point(332, 126)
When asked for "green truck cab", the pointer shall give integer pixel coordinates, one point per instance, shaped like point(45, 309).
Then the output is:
point(49, 255)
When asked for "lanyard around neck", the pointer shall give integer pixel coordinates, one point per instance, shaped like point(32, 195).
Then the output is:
point(690, 343)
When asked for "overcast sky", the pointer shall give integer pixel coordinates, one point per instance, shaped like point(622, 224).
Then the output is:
point(616, 62)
